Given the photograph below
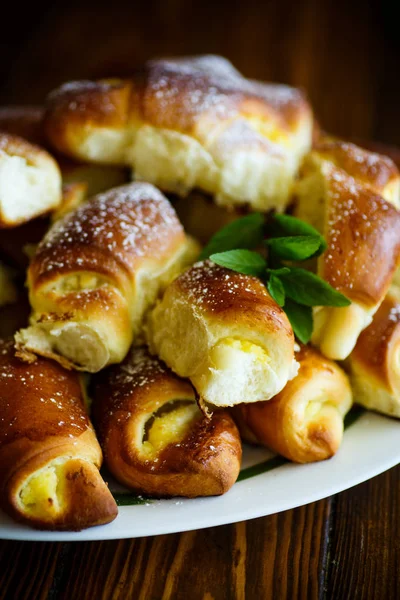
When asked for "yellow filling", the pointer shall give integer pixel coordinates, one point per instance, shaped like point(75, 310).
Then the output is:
point(40, 496)
point(221, 353)
point(169, 428)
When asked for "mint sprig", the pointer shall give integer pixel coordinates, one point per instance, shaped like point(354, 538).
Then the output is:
point(289, 239)
point(246, 232)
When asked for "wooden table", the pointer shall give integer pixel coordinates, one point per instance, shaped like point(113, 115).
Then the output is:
point(346, 55)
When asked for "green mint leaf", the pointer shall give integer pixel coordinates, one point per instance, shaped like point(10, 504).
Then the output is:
point(286, 225)
point(243, 261)
point(301, 320)
point(309, 289)
point(275, 288)
point(280, 271)
point(247, 232)
point(298, 247)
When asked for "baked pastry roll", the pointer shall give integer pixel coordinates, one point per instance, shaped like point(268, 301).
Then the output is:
point(30, 181)
point(304, 422)
point(374, 364)
point(154, 437)
point(349, 195)
point(225, 333)
point(97, 272)
point(49, 455)
point(27, 121)
point(187, 123)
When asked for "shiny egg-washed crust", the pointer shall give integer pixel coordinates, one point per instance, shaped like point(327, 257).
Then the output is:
point(42, 424)
point(27, 122)
point(342, 191)
point(183, 112)
point(374, 364)
point(376, 171)
point(203, 459)
point(96, 273)
point(304, 422)
point(205, 317)
point(30, 181)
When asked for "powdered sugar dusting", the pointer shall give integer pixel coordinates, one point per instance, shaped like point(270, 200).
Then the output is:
point(38, 400)
point(123, 225)
point(363, 232)
point(215, 288)
point(193, 86)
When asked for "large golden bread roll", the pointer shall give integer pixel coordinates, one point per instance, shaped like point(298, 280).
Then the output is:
point(96, 273)
point(225, 333)
point(304, 422)
point(49, 455)
point(30, 181)
point(187, 123)
point(350, 195)
point(27, 121)
point(374, 364)
point(154, 437)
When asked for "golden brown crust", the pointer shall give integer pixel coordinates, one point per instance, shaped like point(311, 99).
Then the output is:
point(288, 424)
point(363, 236)
point(371, 169)
point(172, 94)
point(229, 296)
point(110, 235)
point(377, 346)
point(201, 460)
point(42, 421)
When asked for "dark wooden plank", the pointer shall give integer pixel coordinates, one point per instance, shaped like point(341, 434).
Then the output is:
point(27, 569)
point(365, 547)
point(273, 557)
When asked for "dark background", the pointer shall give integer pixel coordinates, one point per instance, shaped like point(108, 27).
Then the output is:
point(344, 53)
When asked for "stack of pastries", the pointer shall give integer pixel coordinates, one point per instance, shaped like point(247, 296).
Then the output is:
point(186, 359)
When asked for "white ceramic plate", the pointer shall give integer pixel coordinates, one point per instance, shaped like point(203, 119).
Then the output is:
point(370, 446)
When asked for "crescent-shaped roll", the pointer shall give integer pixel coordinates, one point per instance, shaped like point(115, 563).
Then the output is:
point(304, 422)
point(154, 437)
point(184, 123)
point(49, 455)
point(27, 122)
point(225, 333)
point(350, 195)
point(30, 181)
point(374, 364)
point(97, 272)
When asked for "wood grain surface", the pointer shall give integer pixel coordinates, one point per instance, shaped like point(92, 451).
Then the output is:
point(346, 55)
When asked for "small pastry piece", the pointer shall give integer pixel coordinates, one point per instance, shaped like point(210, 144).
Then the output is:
point(97, 272)
point(185, 123)
point(304, 422)
point(374, 364)
point(225, 332)
point(26, 122)
point(154, 437)
point(8, 291)
point(342, 191)
point(49, 455)
point(30, 181)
